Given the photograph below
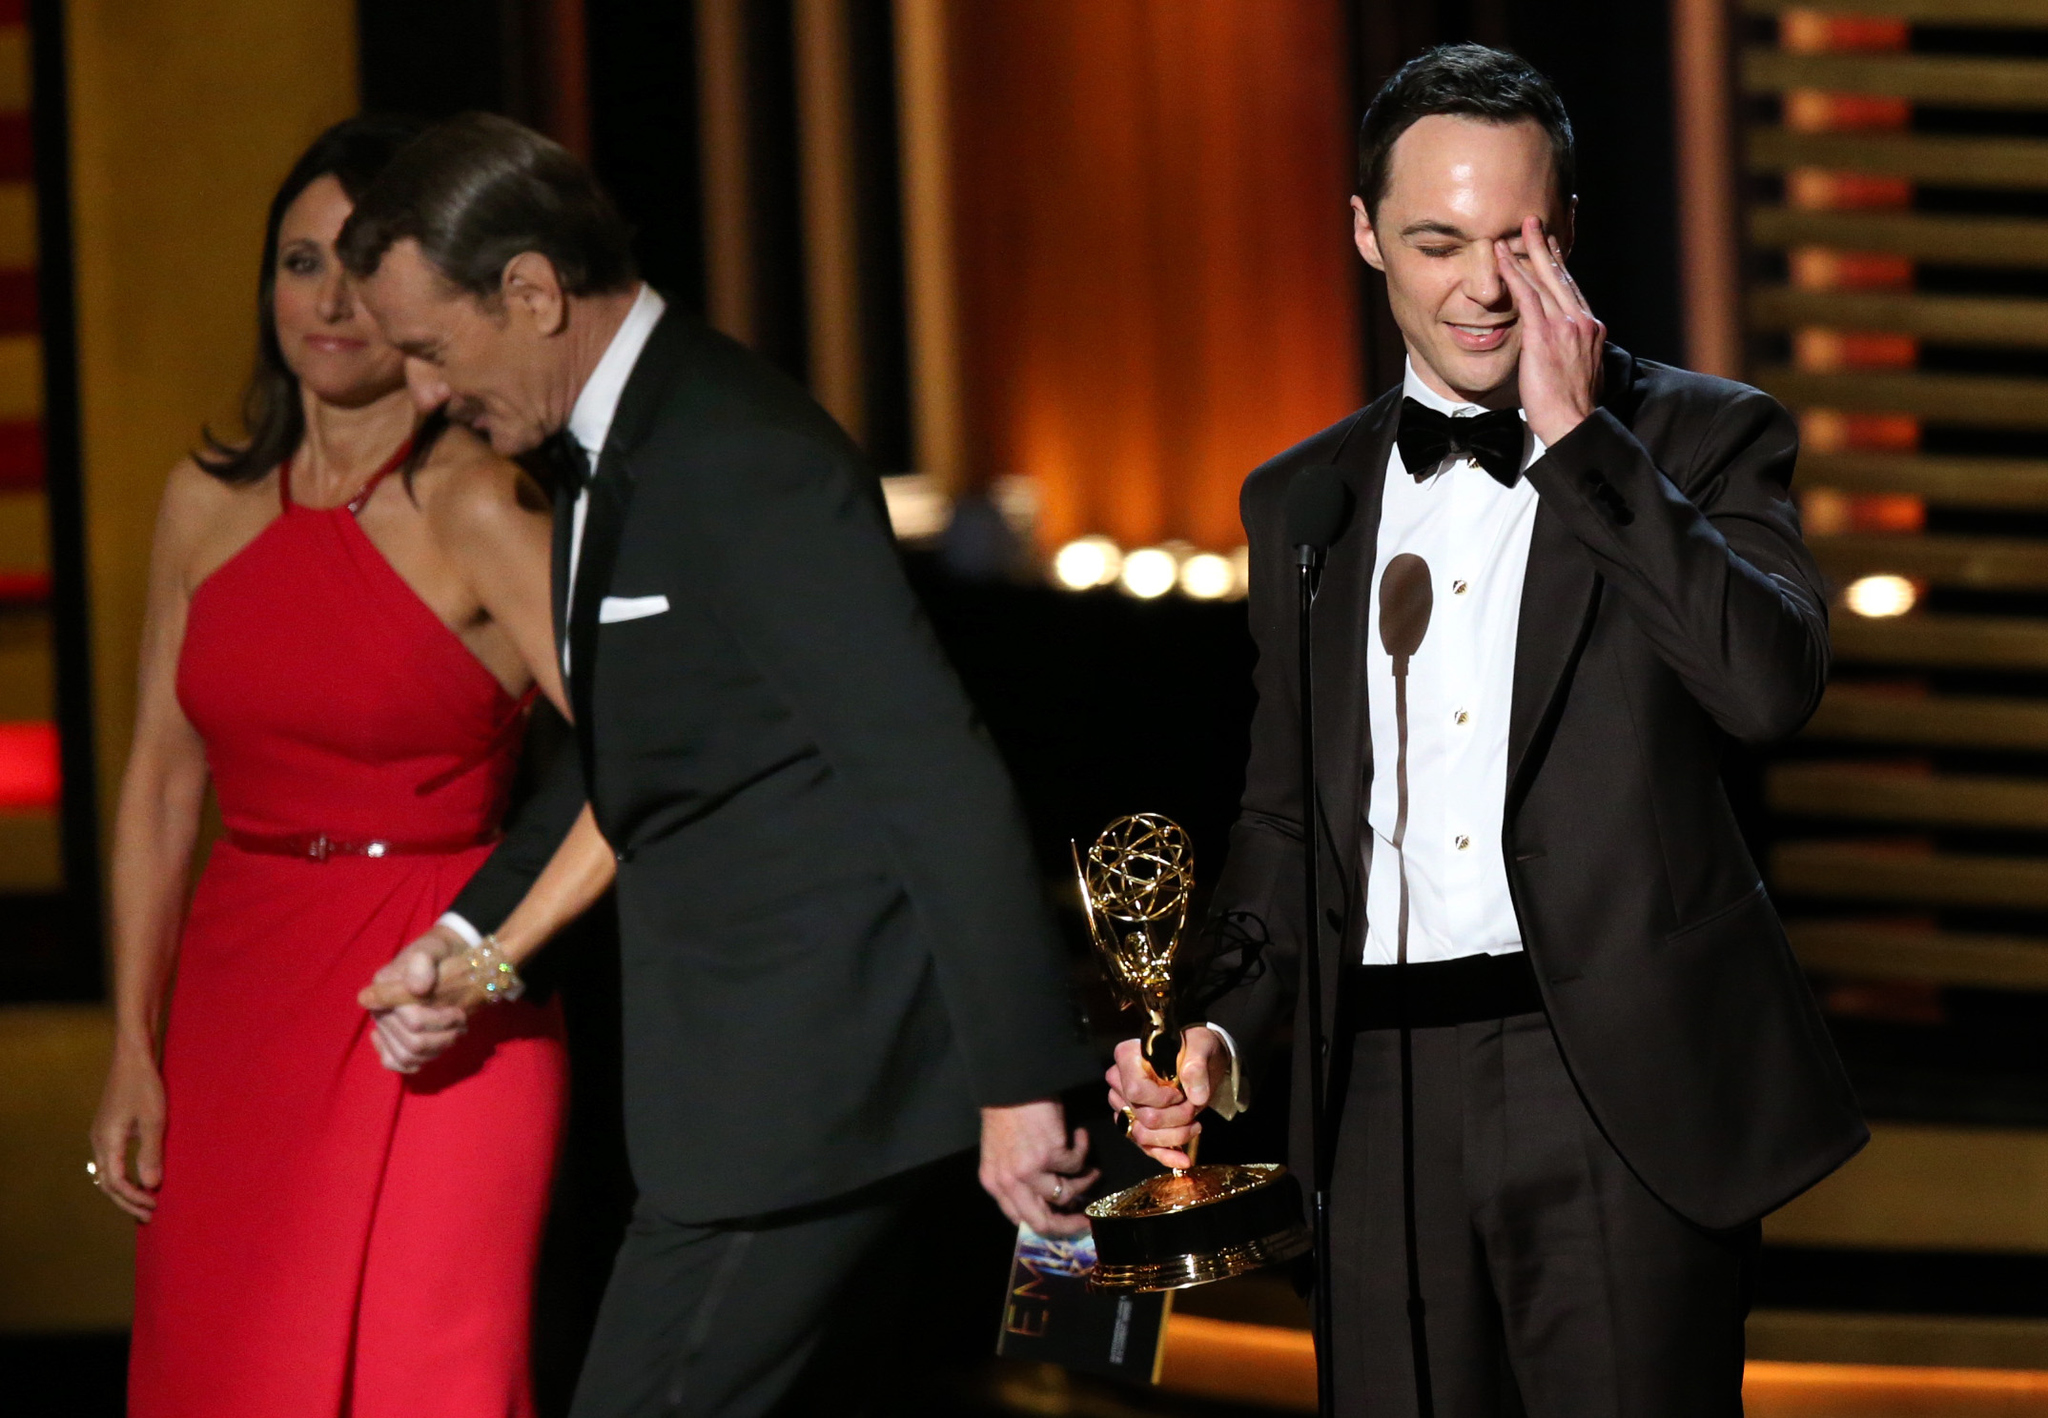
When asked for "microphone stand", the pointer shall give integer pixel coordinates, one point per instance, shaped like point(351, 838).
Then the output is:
point(1306, 561)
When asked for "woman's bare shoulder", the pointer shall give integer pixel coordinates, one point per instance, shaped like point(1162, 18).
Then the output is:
point(194, 499)
point(466, 487)
point(202, 519)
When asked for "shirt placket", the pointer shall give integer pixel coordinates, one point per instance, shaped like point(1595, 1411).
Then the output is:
point(1462, 844)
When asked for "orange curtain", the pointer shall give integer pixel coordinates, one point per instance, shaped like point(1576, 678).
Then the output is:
point(1157, 288)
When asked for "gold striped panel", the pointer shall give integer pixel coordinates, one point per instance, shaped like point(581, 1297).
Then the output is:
point(1932, 1341)
point(1924, 1186)
point(26, 688)
point(1952, 241)
point(24, 532)
point(1946, 398)
point(1938, 12)
point(1948, 162)
point(1856, 871)
point(14, 69)
point(2019, 483)
point(30, 860)
point(1862, 951)
point(1864, 715)
point(21, 377)
point(1924, 78)
point(1943, 641)
point(1835, 790)
point(1983, 563)
point(1955, 319)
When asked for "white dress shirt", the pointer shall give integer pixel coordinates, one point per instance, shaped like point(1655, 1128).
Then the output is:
point(1474, 535)
point(590, 422)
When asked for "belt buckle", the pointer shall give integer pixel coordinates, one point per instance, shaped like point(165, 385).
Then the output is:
point(320, 847)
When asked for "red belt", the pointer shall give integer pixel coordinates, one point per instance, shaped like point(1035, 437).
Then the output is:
point(318, 846)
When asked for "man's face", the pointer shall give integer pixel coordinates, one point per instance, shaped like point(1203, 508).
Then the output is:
point(493, 363)
point(1455, 185)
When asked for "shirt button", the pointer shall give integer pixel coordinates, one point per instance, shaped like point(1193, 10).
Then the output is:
point(1463, 842)
point(1460, 717)
point(1457, 588)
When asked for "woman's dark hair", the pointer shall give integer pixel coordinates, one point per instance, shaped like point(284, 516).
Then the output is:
point(1470, 79)
point(478, 190)
point(353, 152)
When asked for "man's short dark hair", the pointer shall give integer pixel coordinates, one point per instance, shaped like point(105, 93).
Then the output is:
point(1491, 85)
point(478, 190)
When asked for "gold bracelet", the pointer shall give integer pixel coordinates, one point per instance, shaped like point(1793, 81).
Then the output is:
point(492, 973)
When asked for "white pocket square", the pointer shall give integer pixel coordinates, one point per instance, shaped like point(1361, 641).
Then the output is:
point(617, 608)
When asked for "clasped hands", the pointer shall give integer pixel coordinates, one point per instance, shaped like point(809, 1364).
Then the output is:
point(422, 1000)
point(1562, 340)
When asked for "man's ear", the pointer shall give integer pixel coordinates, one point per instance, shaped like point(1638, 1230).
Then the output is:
point(530, 284)
point(1363, 234)
point(1568, 229)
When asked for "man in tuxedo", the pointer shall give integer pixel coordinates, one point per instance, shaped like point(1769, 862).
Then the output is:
point(1567, 578)
point(837, 962)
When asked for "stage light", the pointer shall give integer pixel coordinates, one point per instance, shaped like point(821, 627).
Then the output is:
point(1086, 562)
point(1205, 576)
point(1150, 572)
point(1880, 596)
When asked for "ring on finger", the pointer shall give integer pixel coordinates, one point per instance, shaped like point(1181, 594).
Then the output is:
point(1130, 1116)
point(1059, 1190)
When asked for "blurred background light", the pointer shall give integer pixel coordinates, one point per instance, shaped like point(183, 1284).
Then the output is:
point(1087, 562)
point(1205, 576)
point(1150, 572)
point(1880, 596)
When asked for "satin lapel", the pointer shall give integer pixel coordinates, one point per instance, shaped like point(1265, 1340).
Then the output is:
point(611, 494)
point(1342, 616)
point(1560, 593)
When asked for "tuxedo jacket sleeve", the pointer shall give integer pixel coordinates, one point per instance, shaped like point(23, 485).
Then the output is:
point(1706, 553)
point(808, 580)
point(533, 830)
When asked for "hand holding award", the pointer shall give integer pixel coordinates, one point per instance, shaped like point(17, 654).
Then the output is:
point(1195, 1224)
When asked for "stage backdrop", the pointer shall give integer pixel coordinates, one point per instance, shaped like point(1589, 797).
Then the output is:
point(1156, 285)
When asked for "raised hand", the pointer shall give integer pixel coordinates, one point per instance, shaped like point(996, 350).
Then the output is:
point(1562, 340)
point(421, 1001)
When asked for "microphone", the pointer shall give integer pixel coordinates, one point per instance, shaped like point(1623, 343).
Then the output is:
point(1405, 603)
point(1318, 510)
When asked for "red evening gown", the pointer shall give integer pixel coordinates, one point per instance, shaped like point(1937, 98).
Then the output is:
point(332, 1238)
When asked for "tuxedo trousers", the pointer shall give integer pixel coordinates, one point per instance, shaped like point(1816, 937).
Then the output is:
point(1554, 1284)
point(785, 1314)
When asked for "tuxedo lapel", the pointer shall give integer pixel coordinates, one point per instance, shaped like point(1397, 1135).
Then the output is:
point(1342, 616)
point(1560, 592)
point(611, 494)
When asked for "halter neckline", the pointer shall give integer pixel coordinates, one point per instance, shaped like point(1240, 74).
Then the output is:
point(354, 505)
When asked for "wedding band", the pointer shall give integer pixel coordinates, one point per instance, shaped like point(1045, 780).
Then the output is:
point(1130, 1116)
point(1059, 1190)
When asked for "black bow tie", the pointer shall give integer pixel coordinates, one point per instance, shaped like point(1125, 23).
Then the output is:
point(1492, 440)
point(567, 461)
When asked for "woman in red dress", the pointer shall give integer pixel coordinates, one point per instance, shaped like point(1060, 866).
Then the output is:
point(346, 650)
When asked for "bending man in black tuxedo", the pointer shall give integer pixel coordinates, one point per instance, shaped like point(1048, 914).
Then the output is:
point(1617, 1067)
point(833, 943)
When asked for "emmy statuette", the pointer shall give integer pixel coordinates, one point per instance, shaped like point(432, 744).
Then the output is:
point(1193, 1225)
